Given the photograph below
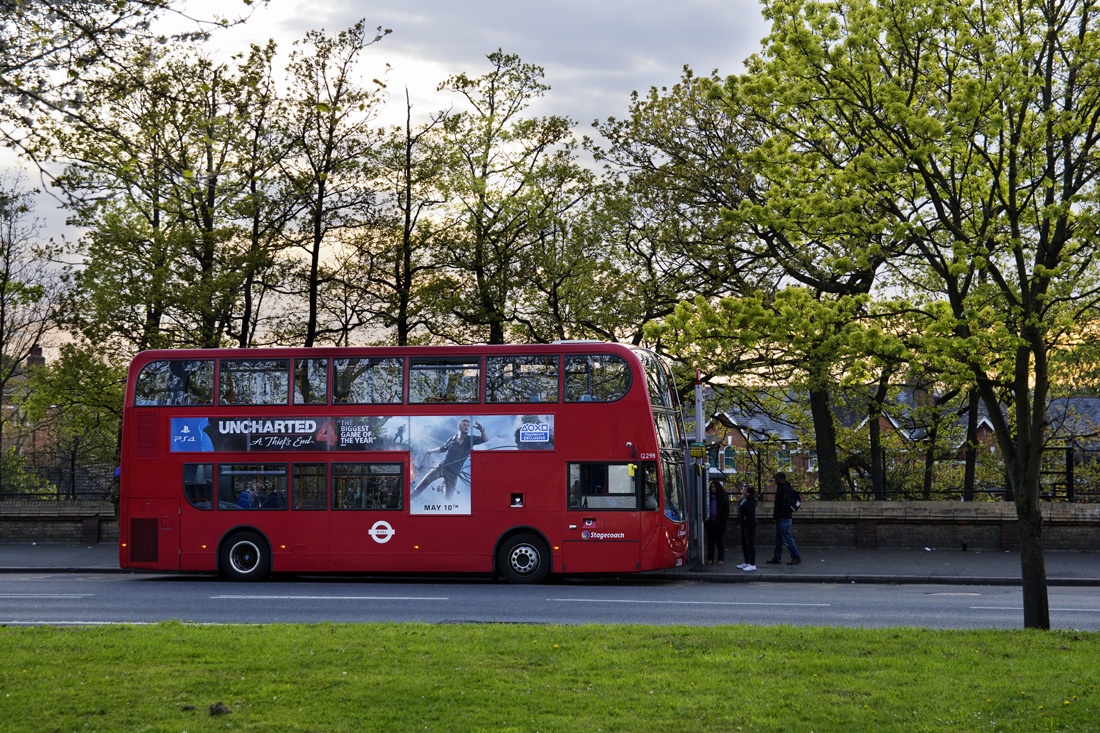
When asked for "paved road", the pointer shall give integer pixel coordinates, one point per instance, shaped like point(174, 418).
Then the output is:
point(933, 588)
point(106, 598)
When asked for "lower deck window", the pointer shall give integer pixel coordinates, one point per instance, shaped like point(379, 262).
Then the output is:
point(198, 485)
point(367, 486)
point(308, 489)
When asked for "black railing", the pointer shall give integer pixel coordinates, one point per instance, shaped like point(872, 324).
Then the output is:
point(63, 484)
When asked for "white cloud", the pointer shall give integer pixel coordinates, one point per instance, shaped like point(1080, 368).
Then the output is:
point(594, 52)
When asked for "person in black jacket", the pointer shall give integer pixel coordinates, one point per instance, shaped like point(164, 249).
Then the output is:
point(714, 527)
point(783, 513)
point(746, 522)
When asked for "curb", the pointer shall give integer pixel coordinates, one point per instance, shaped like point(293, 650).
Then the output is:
point(863, 579)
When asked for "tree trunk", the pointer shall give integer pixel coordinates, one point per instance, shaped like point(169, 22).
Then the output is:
point(929, 464)
point(878, 470)
point(874, 414)
point(971, 454)
point(831, 484)
point(1033, 568)
point(1021, 443)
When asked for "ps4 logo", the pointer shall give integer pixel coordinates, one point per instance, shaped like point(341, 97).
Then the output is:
point(534, 433)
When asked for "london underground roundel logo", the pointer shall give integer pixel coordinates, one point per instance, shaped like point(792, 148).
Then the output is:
point(381, 532)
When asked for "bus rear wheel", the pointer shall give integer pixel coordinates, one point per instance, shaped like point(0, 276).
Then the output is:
point(524, 558)
point(244, 557)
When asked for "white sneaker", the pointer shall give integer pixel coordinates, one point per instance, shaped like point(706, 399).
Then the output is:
point(749, 568)
point(742, 566)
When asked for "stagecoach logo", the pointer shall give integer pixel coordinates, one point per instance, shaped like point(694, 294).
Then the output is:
point(381, 532)
point(534, 433)
point(586, 535)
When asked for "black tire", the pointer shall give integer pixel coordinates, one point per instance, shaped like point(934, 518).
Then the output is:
point(244, 557)
point(524, 558)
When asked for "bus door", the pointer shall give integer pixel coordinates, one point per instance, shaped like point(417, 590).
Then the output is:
point(603, 520)
point(367, 507)
point(308, 533)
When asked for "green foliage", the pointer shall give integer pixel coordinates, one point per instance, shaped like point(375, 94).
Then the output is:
point(18, 478)
point(171, 194)
point(500, 677)
point(674, 172)
point(79, 398)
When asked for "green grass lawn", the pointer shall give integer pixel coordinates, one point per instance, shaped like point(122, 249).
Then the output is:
point(414, 677)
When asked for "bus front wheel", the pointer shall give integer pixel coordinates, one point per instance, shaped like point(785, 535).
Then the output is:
point(244, 557)
point(524, 558)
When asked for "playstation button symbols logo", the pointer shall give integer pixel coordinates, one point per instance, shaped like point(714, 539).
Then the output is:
point(381, 532)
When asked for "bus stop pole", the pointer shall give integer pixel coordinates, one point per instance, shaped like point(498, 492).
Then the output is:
point(699, 480)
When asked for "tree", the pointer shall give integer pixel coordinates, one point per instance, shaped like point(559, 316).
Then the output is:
point(509, 181)
point(390, 266)
point(172, 197)
point(685, 158)
point(970, 128)
point(664, 222)
point(329, 120)
point(78, 398)
point(49, 47)
point(265, 206)
point(28, 291)
point(792, 336)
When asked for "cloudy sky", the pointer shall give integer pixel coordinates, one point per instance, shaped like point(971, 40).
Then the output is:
point(594, 52)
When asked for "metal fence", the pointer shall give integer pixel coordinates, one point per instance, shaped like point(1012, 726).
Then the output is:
point(63, 483)
point(1070, 474)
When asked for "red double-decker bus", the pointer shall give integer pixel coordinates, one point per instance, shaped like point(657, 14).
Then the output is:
point(514, 460)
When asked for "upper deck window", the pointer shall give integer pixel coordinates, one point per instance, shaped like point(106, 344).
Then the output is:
point(253, 382)
point(175, 382)
point(521, 379)
point(596, 378)
point(368, 381)
point(668, 433)
point(658, 380)
point(444, 379)
point(310, 381)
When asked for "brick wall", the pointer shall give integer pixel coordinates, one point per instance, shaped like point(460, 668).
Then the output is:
point(863, 524)
point(938, 524)
point(83, 521)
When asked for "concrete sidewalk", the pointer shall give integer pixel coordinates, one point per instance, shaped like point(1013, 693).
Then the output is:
point(819, 565)
point(929, 565)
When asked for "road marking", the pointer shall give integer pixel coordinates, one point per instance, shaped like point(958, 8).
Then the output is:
point(46, 595)
point(329, 598)
point(1021, 608)
point(686, 603)
point(80, 623)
